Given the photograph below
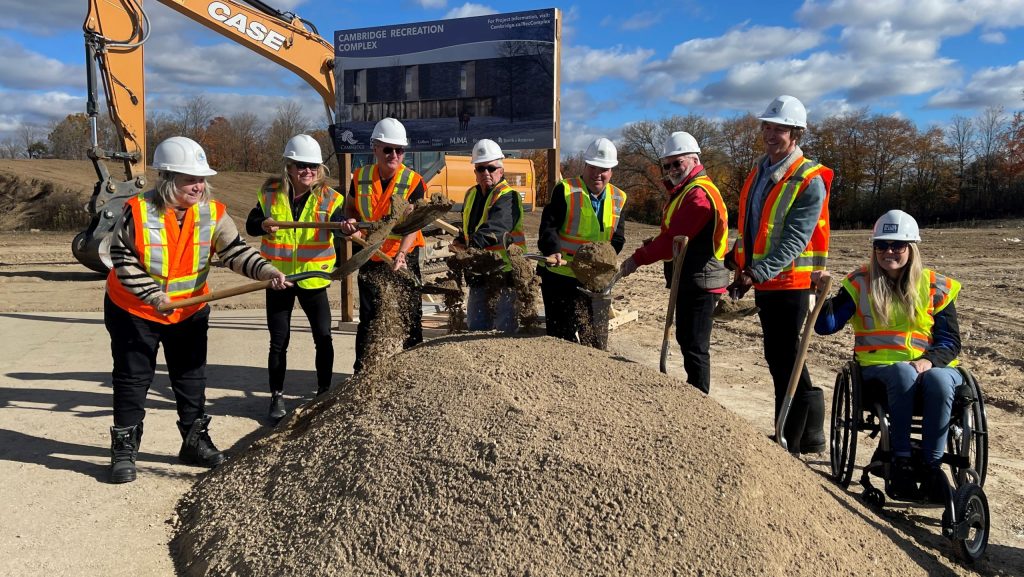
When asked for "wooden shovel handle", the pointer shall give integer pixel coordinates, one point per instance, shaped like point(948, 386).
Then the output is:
point(303, 224)
point(215, 295)
point(449, 228)
point(383, 256)
point(679, 245)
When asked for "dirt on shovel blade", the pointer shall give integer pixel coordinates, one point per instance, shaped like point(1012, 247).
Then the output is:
point(595, 265)
point(424, 212)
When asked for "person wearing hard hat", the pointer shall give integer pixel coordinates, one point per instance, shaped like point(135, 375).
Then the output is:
point(693, 208)
point(581, 210)
point(369, 200)
point(907, 336)
point(783, 236)
point(299, 194)
point(161, 251)
point(492, 211)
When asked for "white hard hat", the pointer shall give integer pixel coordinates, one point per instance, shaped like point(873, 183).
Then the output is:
point(303, 148)
point(390, 131)
point(787, 111)
point(183, 155)
point(896, 225)
point(486, 150)
point(602, 154)
point(679, 143)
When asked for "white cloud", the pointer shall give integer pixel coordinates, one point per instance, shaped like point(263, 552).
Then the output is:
point(702, 55)
point(432, 3)
point(640, 21)
point(882, 41)
point(56, 17)
point(1000, 86)
point(39, 108)
point(22, 68)
point(585, 64)
point(938, 17)
point(993, 37)
point(469, 9)
point(176, 65)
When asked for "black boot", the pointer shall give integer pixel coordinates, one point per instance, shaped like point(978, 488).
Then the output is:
point(813, 440)
point(196, 447)
point(277, 409)
point(903, 480)
point(124, 449)
point(793, 430)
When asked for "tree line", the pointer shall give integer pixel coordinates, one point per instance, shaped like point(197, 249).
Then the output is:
point(973, 168)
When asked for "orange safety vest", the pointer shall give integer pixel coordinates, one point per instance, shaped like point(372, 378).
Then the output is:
point(497, 191)
point(373, 203)
point(298, 250)
point(797, 274)
point(178, 259)
point(582, 225)
point(898, 341)
point(720, 236)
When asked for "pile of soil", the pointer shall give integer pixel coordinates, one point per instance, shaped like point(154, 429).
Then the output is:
point(594, 265)
point(728, 309)
point(484, 455)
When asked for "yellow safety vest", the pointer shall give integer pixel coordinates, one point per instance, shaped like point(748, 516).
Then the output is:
point(720, 237)
point(297, 250)
point(898, 341)
point(582, 225)
point(497, 191)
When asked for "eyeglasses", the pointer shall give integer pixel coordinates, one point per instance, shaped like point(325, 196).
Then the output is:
point(678, 163)
point(397, 151)
point(488, 168)
point(896, 246)
point(305, 166)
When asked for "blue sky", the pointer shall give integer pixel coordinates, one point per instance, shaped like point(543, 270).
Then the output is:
point(622, 61)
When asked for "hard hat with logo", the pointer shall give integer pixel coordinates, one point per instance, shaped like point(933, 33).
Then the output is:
point(679, 143)
point(486, 150)
point(602, 154)
point(896, 225)
point(182, 155)
point(303, 148)
point(390, 131)
point(787, 111)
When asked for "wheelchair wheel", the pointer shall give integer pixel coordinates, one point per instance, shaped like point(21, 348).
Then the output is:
point(846, 409)
point(973, 518)
point(970, 439)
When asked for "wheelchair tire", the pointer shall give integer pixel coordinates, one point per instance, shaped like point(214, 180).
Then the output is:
point(846, 414)
point(971, 507)
point(971, 439)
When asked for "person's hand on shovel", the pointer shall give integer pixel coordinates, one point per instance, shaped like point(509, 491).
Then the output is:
point(268, 227)
point(349, 228)
point(556, 260)
point(628, 267)
point(818, 276)
point(741, 283)
point(280, 282)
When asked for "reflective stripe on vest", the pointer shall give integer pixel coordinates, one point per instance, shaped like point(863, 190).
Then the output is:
point(797, 274)
point(373, 203)
point(582, 225)
point(720, 237)
point(517, 235)
point(898, 341)
point(297, 250)
point(176, 258)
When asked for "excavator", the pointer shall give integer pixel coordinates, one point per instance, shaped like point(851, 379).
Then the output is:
point(115, 34)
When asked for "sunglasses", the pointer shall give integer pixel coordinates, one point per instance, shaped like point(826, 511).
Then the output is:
point(305, 166)
point(397, 151)
point(896, 246)
point(481, 169)
point(677, 163)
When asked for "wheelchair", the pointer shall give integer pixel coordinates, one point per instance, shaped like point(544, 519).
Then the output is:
point(859, 407)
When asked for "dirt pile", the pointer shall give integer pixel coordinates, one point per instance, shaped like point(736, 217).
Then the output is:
point(482, 455)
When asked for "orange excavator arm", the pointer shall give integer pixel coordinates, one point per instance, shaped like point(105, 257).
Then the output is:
point(115, 32)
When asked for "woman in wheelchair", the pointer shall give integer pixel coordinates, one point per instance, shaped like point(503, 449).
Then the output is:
point(906, 335)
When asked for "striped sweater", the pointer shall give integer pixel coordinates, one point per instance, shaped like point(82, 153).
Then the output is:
point(229, 247)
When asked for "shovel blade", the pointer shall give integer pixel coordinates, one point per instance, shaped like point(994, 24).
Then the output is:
point(421, 216)
point(357, 260)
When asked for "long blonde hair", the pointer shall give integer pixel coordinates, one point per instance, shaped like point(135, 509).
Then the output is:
point(286, 181)
point(891, 296)
point(166, 192)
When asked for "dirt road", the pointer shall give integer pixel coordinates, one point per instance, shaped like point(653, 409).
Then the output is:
point(61, 518)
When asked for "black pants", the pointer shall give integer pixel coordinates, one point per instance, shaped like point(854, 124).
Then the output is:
point(694, 310)
point(134, 342)
point(568, 313)
point(370, 303)
point(317, 307)
point(782, 316)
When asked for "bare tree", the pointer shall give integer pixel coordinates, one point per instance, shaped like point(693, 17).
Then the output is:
point(27, 136)
point(960, 135)
point(194, 116)
point(289, 121)
point(992, 126)
point(9, 148)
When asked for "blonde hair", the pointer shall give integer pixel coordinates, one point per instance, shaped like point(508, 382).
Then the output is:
point(321, 176)
point(891, 296)
point(166, 192)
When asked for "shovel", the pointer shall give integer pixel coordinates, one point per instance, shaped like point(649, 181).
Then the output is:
point(422, 216)
point(679, 244)
point(373, 249)
point(798, 367)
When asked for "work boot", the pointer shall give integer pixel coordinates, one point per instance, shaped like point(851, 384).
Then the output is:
point(935, 485)
point(903, 483)
point(796, 420)
point(124, 449)
point(813, 440)
point(196, 447)
point(320, 390)
point(277, 408)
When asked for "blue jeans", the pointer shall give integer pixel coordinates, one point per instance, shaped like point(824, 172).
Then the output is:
point(936, 387)
point(479, 316)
